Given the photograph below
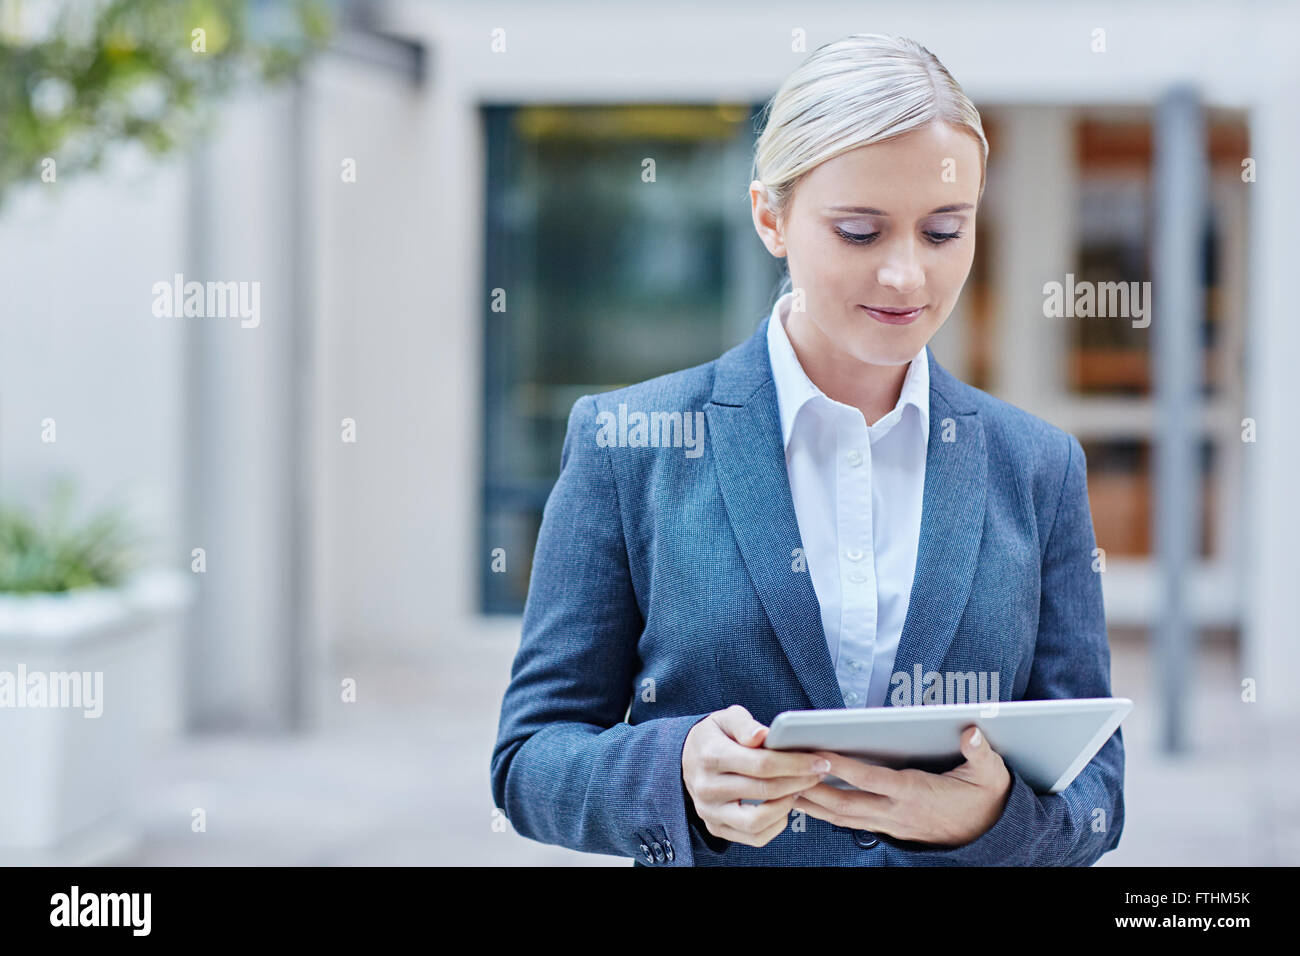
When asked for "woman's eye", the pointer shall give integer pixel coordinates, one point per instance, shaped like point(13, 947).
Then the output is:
point(862, 239)
point(856, 238)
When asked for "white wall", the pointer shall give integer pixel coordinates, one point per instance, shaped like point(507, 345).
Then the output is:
point(79, 344)
point(389, 342)
point(238, 220)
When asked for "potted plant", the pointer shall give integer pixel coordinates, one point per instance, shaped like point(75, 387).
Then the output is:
point(88, 664)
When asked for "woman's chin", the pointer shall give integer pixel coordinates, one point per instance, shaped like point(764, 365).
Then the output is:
point(876, 353)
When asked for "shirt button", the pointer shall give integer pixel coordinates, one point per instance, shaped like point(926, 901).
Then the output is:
point(854, 458)
point(850, 698)
point(853, 554)
point(857, 665)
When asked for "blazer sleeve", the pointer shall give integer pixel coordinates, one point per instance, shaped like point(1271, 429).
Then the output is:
point(567, 769)
point(1071, 659)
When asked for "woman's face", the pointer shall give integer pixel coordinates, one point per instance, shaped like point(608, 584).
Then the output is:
point(890, 226)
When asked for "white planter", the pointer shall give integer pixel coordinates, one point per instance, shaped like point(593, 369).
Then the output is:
point(67, 780)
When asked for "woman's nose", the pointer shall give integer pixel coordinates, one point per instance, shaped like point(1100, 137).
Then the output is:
point(902, 270)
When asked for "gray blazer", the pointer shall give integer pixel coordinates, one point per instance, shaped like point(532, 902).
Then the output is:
point(665, 585)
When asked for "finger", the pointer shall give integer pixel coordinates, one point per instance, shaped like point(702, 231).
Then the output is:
point(979, 754)
point(738, 724)
point(864, 776)
point(737, 786)
point(761, 838)
point(873, 822)
point(974, 746)
point(771, 833)
point(772, 763)
point(753, 819)
point(819, 812)
point(846, 802)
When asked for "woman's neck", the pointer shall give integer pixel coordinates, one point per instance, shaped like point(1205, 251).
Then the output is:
point(872, 389)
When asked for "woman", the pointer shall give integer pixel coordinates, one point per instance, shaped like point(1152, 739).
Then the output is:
point(847, 515)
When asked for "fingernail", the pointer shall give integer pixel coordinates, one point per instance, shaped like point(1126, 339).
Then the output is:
point(822, 766)
point(976, 737)
point(755, 729)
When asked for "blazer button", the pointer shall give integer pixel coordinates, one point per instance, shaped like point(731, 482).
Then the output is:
point(645, 852)
point(865, 839)
point(659, 852)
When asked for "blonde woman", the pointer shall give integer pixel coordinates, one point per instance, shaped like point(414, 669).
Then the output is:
point(857, 517)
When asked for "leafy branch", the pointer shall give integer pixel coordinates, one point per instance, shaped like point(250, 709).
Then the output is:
point(119, 71)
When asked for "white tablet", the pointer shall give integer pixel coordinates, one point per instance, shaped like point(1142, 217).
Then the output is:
point(1046, 741)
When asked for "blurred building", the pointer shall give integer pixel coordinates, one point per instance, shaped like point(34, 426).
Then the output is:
point(498, 253)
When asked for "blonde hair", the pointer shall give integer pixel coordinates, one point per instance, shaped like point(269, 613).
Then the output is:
point(852, 92)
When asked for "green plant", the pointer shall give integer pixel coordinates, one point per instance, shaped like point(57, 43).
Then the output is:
point(55, 553)
point(113, 71)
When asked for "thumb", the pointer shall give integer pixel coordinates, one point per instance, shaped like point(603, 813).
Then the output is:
point(974, 745)
point(738, 724)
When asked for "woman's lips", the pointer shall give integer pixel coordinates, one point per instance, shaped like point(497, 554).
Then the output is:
point(891, 316)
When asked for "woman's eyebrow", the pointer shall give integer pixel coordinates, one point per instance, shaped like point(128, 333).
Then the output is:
point(871, 211)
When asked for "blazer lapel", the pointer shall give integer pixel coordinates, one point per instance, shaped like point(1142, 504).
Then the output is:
point(749, 458)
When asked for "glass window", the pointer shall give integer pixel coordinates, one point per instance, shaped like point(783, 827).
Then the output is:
point(1119, 493)
point(1110, 356)
point(620, 246)
point(1110, 360)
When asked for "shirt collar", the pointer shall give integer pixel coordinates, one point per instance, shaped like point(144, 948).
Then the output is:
point(794, 388)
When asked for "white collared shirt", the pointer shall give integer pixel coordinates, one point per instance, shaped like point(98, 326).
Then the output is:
point(857, 492)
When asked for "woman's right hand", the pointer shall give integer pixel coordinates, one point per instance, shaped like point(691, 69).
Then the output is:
point(723, 762)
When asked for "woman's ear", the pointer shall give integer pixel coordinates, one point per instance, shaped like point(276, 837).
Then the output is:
point(765, 222)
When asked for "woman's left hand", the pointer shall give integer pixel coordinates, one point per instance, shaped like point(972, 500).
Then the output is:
point(948, 809)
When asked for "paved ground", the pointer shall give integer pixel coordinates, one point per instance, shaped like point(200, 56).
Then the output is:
point(401, 778)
